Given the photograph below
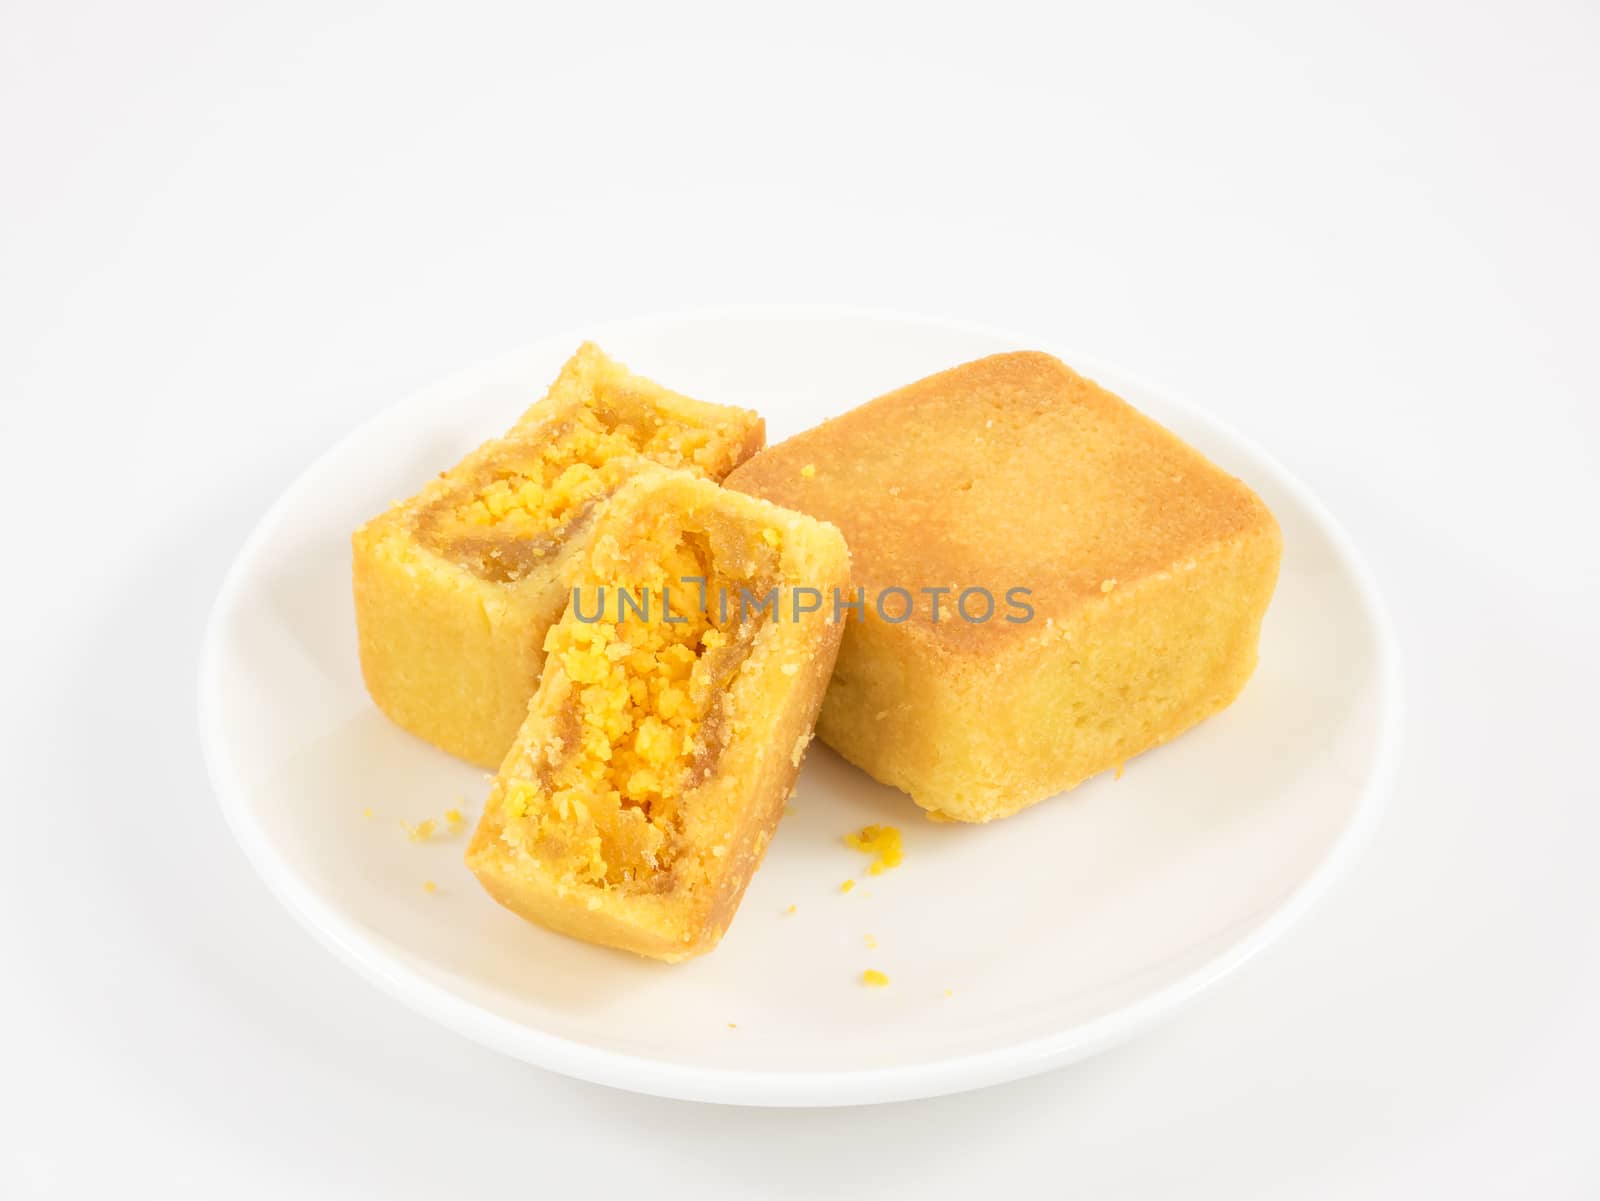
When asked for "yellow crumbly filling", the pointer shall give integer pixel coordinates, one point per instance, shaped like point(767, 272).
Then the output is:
point(569, 471)
point(526, 502)
point(645, 696)
point(882, 842)
point(873, 978)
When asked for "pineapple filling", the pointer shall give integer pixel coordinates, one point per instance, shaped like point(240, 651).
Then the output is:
point(530, 496)
point(644, 721)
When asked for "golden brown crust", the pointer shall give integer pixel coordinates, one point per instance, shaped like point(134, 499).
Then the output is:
point(1146, 568)
point(1011, 471)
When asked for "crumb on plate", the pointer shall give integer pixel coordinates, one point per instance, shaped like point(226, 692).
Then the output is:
point(883, 842)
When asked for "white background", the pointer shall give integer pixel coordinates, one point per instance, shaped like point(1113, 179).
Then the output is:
point(1364, 236)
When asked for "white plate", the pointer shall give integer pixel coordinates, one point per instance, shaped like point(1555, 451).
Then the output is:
point(1011, 948)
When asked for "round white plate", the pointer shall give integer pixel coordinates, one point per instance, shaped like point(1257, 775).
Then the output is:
point(1011, 948)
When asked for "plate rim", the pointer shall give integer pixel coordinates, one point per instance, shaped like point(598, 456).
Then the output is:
point(767, 1087)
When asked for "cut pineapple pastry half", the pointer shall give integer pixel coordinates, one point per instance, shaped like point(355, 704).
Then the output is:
point(678, 696)
point(456, 587)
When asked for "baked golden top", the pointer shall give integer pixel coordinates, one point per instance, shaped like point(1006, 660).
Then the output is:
point(1009, 472)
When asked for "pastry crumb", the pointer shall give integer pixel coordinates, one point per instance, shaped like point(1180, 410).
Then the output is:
point(872, 943)
point(422, 831)
point(847, 886)
point(429, 886)
point(873, 978)
point(1120, 766)
point(949, 992)
point(882, 842)
point(453, 817)
point(367, 812)
point(791, 909)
